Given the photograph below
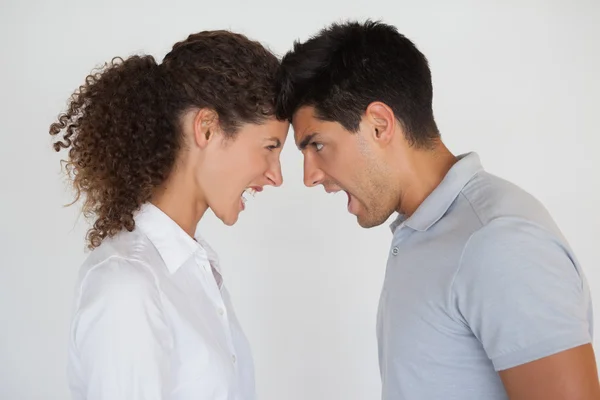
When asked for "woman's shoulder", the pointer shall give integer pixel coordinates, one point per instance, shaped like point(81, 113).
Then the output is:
point(127, 261)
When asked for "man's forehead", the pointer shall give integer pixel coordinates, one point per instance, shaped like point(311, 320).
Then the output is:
point(304, 123)
point(301, 132)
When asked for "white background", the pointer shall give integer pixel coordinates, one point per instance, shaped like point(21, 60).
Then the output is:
point(517, 82)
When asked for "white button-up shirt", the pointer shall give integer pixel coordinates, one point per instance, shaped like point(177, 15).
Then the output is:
point(153, 321)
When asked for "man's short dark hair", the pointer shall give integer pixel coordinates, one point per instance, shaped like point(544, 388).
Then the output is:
point(347, 66)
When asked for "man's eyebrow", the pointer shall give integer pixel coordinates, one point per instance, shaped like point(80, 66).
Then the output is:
point(307, 139)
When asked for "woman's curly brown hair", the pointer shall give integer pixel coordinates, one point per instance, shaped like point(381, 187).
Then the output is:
point(122, 126)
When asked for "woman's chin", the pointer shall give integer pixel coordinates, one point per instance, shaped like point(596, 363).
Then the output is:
point(229, 218)
point(230, 222)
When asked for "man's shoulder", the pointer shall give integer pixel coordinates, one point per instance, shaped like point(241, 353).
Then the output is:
point(491, 198)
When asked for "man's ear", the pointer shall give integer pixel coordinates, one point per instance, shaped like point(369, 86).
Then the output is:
point(382, 122)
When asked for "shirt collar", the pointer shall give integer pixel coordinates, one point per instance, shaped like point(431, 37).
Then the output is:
point(173, 244)
point(437, 203)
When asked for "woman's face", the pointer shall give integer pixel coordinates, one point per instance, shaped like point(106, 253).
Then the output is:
point(247, 162)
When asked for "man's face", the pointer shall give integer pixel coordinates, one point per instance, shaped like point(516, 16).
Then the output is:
point(342, 160)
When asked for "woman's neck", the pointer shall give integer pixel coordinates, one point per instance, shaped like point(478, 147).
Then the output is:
point(178, 198)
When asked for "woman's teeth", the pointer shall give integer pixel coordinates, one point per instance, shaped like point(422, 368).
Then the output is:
point(247, 193)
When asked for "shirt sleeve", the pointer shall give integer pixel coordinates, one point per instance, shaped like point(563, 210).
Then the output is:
point(521, 292)
point(120, 334)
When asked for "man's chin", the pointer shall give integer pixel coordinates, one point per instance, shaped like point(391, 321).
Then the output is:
point(366, 224)
point(370, 221)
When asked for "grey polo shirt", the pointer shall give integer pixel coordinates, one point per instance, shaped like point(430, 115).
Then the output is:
point(479, 279)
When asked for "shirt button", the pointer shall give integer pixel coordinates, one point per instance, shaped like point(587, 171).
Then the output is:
point(395, 251)
point(233, 358)
point(221, 311)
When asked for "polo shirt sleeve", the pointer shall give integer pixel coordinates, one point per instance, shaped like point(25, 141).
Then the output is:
point(520, 291)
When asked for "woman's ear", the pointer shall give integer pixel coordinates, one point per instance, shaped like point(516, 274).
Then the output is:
point(205, 125)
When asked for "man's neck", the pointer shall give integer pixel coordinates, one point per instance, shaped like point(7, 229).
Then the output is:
point(424, 171)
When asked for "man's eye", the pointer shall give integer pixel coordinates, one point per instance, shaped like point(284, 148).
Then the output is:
point(318, 146)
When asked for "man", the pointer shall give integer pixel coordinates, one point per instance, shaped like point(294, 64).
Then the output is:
point(483, 297)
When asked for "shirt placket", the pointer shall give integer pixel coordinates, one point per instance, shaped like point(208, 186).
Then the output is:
point(400, 234)
point(208, 272)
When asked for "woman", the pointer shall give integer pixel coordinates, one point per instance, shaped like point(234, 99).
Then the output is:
point(151, 148)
